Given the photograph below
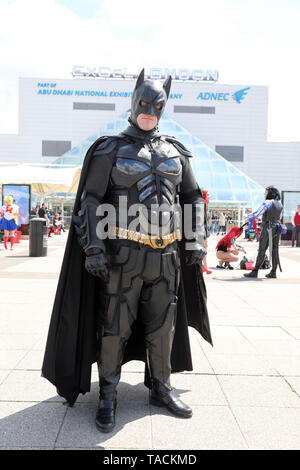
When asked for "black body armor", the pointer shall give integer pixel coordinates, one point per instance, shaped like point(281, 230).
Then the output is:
point(139, 267)
point(272, 215)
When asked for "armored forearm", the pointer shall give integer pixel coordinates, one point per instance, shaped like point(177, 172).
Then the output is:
point(85, 226)
point(194, 219)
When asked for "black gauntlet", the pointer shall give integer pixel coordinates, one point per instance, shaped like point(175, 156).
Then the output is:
point(194, 227)
point(85, 224)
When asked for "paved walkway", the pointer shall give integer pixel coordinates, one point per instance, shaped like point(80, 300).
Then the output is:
point(245, 391)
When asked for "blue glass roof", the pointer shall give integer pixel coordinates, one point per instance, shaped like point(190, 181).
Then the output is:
point(221, 178)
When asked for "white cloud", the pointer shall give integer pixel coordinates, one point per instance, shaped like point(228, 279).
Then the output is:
point(249, 42)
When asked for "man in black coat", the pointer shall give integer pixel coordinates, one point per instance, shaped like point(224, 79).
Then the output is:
point(135, 283)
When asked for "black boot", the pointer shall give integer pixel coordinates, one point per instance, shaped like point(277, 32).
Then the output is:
point(105, 417)
point(109, 368)
point(252, 273)
point(164, 395)
point(228, 265)
point(271, 275)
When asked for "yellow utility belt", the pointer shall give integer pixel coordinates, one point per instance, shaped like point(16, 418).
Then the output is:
point(160, 241)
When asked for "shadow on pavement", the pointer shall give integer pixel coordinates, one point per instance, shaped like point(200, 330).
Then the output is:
point(53, 424)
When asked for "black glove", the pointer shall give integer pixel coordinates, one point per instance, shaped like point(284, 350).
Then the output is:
point(96, 262)
point(195, 256)
point(97, 265)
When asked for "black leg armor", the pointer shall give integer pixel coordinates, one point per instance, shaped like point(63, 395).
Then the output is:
point(143, 281)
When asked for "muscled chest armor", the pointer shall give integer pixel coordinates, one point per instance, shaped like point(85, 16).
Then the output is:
point(151, 170)
point(149, 174)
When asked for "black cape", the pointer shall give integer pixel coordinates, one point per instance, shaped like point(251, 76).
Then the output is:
point(72, 344)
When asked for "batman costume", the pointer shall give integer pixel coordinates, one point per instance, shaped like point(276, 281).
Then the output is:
point(271, 212)
point(132, 294)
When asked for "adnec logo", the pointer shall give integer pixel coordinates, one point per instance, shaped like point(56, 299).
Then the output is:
point(238, 96)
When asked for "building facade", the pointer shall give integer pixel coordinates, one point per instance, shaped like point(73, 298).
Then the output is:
point(57, 115)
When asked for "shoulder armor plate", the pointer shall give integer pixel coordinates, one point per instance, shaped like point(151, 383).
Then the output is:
point(178, 145)
point(106, 145)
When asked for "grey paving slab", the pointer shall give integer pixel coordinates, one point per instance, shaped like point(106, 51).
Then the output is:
point(265, 333)
point(32, 360)
point(199, 360)
point(258, 391)
point(295, 384)
point(254, 362)
point(27, 425)
point(211, 427)
point(23, 321)
point(3, 375)
point(285, 365)
point(241, 318)
point(276, 347)
point(231, 346)
point(27, 386)
point(287, 322)
point(198, 389)
point(40, 343)
point(26, 448)
point(130, 389)
point(270, 428)
point(10, 358)
point(17, 341)
point(293, 331)
point(132, 431)
point(237, 364)
point(134, 366)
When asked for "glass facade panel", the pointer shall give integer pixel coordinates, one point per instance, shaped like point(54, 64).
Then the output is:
point(239, 181)
point(221, 178)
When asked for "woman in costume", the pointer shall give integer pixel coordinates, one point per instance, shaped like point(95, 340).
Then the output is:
point(228, 249)
point(9, 223)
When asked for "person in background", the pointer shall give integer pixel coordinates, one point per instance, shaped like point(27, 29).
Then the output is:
point(50, 218)
point(271, 212)
point(217, 226)
point(222, 223)
point(61, 220)
point(42, 212)
point(213, 223)
point(296, 227)
point(228, 218)
point(9, 213)
point(228, 249)
point(33, 213)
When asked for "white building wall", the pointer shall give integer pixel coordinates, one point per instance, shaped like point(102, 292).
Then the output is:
point(274, 163)
point(47, 114)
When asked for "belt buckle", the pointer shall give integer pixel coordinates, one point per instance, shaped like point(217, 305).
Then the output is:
point(160, 242)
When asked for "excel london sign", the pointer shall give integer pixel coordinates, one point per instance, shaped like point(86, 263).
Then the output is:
point(198, 75)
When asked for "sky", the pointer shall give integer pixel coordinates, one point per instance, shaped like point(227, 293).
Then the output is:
point(250, 42)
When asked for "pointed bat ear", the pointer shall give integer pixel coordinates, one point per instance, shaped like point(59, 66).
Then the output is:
point(167, 85)
point(140, 79)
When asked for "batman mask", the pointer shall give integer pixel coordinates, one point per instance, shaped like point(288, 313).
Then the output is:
point(273, 193)
point(149, 97)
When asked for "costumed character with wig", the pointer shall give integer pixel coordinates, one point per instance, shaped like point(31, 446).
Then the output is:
point(253, 227)
point(271, 212)
point(228, 249)
point(205, 195)
point(131, 295)
point(9, 222)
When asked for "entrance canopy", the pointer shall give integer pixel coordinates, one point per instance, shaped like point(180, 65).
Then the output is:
point(45, 179)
